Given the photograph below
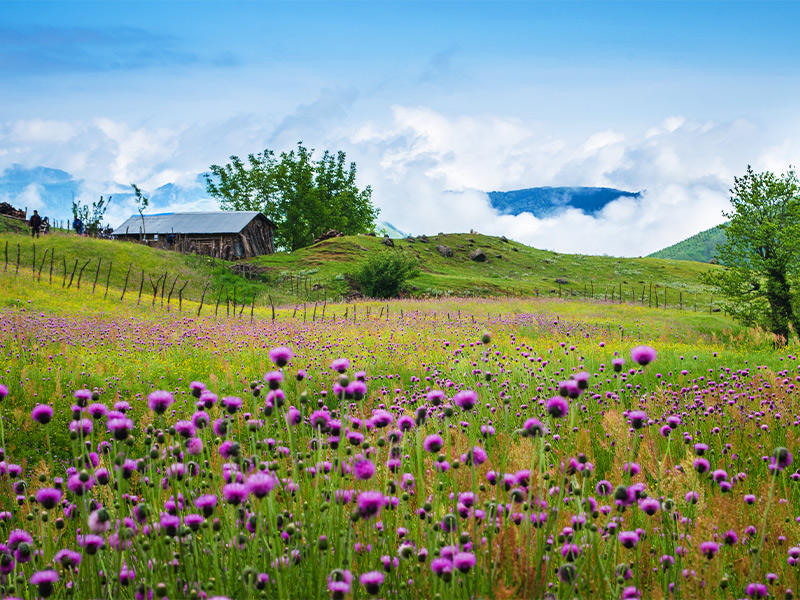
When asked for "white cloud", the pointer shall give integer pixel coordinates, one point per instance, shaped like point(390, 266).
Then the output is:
point(429, 169)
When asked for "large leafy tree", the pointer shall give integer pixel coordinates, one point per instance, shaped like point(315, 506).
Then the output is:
point(761, 254)
point(303, 196)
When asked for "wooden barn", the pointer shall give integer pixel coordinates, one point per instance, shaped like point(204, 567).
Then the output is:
point(221, 234)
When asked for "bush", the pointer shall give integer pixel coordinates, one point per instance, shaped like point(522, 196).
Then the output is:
point(384, 273)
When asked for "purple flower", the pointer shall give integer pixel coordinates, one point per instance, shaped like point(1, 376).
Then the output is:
point(159, 401)
point(79, 483)
point(442, 567)
point(260, 484)
point(7, 562)
point(235, 493)
point(185, 429)
point(465, 399)
point(91, 543)
point(3, 392)
point(206, 504)
point(638, 418)
point(557, 407)
point(649, 505)
point(781, 458)
point(42, 413)
point(630, 593)
point(700, 449)
point(719, 475)
point(757, 590)
point(48, 497)
point(643, 355)
point(369, 504)
point(356, 390)
point(273, 379)
point(82, 397)
point(730, 538)
point(293, 416)
point(433, 443)
point(231, 403)
point(197, 388)
point(617, 364)
point(194, 446)
point(709, 549)
point(533, 428)
point(363, 468)
point(436, 397)
point(629, 539)
point(372, 582)
point(340, 365)
point(67, 558)
point(701, 465)
point(749, 499)
point(280, 356)
point(339, 583)
point(381, 418)
point(464, 561)
point(170, 524)
point(97, 410)
point(44, 580)
point(120, 428)
point(320, 419)
point(569, 389)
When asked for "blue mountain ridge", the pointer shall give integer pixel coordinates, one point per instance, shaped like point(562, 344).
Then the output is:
point(547, 201)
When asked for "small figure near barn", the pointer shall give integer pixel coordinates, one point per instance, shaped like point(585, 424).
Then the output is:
point(35, 223)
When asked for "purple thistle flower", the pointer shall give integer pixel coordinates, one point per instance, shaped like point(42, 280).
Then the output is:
point(91, 543)
point(692, 497)
point(643, 355)
point(617, 364)
point(7, 562)
point(194, 446)
point(709, 549)
point(280, 356)
point(185, 429)
point(44, 580)
point(381, 418)
point(97, 410)
point(630, 593)
point(667, 561)
point(719, 475)
point(700, 449)
point(48, 497)
point(3, 392)
point(339, 583)
point(159, 401)
point(340, 365)
point(701, 465)
point(231, 403)
point(42, 414)
point(357, 390)
point(369, 504)
point(120, 428)
point(781, 458)
point(208, 399)
point(749, 499)
point(433, 443)
point(77, 485)
point(757, 590)
point(629, 539)
point(604, 488)
point(197, 388)
point(273, 379)
point(649, 506)
point(363, 468)
point(68, 558)
point(442, 567)
point(436, 397)
point(465, 399)
point(569, 389)
point(200, 419)
point(206, 504)
point(261, 484)
point(320, 419)
point(730, 538)
point(557, 407)
point(293, 416)
point(532, 428)
point(82, 397)
point(235, 493)
point(372, 582)
point(638, 418)
point(170, 524)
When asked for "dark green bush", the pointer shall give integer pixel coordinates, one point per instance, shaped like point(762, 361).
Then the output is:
point(383, 274)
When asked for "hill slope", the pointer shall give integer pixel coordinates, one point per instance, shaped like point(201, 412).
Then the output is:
point(701, 247)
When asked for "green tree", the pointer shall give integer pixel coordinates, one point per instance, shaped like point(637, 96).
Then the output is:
point(761, 254)
point(383, 274)
point(303, 197)
point(92, 218)
point(142, 202)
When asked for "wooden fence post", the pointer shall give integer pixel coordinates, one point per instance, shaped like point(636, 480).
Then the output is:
point(41, 266)
point(125, 286)
point(81, 273)
point(141, 287)
point(219, 297)
point(52, 255)
point(202, 298)
point(17, 270)
point(108, 279)
point(172, 289)
point(5, 268)
point(72, 276)
point(97, 273)
point(272, 305)
point(180, 296)
point(33, 262)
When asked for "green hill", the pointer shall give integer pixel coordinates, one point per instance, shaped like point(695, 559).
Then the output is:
point(321, 272)
point(701, 247)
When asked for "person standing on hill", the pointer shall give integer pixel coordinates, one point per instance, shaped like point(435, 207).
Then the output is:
point(35, 223)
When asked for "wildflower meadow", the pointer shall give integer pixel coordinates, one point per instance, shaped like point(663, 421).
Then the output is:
point(468, 449)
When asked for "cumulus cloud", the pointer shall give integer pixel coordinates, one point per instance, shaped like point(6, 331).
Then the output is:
point(430, 170)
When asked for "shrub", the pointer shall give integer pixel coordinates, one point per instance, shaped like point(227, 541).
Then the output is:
point(384, 273)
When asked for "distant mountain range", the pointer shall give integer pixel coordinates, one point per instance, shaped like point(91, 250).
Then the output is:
point(701, 247)
point(548, 201)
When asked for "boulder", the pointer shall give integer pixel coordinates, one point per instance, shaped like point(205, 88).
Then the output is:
point(422, 239)
point(562, 281)
point(445, 251)
point(410, 239)
point(477, 255)
point(504, 239)
point(330, 234)
point(387, 241)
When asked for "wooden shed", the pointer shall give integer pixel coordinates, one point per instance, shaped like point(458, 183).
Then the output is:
point(221, 234)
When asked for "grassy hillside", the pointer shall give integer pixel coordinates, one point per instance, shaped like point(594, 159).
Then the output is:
point(321, 272)
point(701, 247)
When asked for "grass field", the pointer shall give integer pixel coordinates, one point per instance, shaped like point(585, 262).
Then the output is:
point(443, 447)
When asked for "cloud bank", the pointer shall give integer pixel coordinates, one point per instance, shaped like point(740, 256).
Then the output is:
point(430, 170)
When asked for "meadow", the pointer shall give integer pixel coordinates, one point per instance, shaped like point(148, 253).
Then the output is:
point(440, 448)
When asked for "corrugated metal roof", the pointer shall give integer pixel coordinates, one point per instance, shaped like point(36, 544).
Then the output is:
point(188, 223)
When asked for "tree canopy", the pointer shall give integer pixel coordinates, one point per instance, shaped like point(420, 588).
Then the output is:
point(761, 254)
point(302, 196)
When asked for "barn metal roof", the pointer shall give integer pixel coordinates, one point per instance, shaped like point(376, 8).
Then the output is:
point(189, 223)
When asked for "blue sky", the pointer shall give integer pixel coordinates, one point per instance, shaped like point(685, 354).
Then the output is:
point(437, 102)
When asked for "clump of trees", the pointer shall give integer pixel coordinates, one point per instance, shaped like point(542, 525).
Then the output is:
point(761, 254)
point(91, 217)
point(304, 197)
point(383, 274)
